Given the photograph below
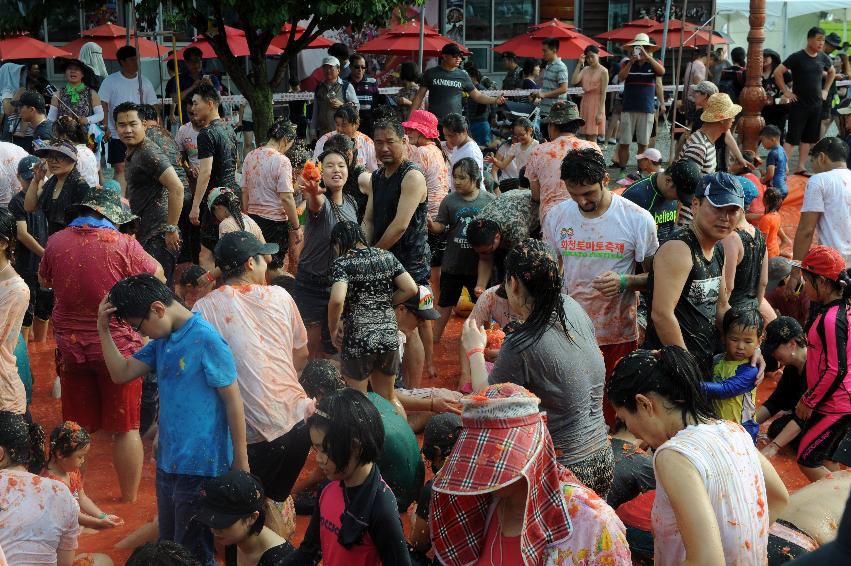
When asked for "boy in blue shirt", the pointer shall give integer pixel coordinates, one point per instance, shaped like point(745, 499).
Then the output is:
point(201, 422)
point(775, 161)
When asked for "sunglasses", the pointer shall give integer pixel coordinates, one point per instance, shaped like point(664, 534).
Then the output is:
point(358, 66)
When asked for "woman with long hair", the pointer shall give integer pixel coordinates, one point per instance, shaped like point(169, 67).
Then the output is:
point(716, 495)
point(327, 205)
point(366, 284)
point(554, 353)
point(594, 79)
point(268, 194)
point(14, 300)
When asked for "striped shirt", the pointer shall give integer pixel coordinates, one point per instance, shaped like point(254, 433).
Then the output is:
point(639, 90)
point(555, 75)
point(700, 149)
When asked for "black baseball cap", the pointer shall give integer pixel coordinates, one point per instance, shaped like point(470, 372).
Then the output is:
point(451, 49)
point(441, 432)
point(779, 331)
point(235, 248)
point(228, 498)
point(722, 189)
point(833, 39)
point(30, 98)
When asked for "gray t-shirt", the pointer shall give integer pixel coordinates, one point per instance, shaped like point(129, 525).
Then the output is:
point(568, 376)
point(316, 257)
point(444, 90)
point(456, 213)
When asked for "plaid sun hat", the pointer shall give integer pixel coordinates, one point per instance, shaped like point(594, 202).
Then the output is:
point(503, 440)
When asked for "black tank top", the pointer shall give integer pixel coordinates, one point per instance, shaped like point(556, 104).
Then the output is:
point(697, 305)
point(412, 249)
point(749, 270)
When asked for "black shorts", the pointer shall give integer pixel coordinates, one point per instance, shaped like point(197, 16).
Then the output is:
point(451, 286)
point(117, 151)
point(277, 463)
point(247, 126)
point(437, 244)
point(821, 437)
point(41, 300)
point(804, 124)
point(311, 295)
point(275, 232)
point(360, 368)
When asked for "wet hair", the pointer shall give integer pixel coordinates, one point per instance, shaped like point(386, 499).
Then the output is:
point(321, 378)
point(592, 49)
point(341, 143)
point(469, 167)
point(738, 56)
point(770, 131)
point(352, 426)
point(340, 51)
point(583, 167)
point(531, 263)
point(672, 373)
point(162, 553)
point(298, 154)
point(772, 199)
point(328, 152)
point(391, 124)
point(841, 284)
point(481, 232)
point(744, 318)
point(384, 112)
point(524, 123)
point(192, 52)
point(834, 148)
point(133, 296)
point(284, 281)
point(148, 112)
point(208, 93)
point(814, 31)
point(347, 113)
point(685, 175)
point(23, 442)
point(230, 200)
point(9, 232)
point(529, 66)
point(347, 235)
point(69, 128)
point(125, 52)
point(127, 107)
point(191, 274)
point(282, 129)
point(410, 71)
point(454, 123)
point(551, 43)
point(67, 438)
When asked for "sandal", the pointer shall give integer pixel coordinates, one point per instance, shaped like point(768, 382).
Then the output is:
point(803, 173)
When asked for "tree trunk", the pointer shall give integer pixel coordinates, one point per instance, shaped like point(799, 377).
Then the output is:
point(260, 99)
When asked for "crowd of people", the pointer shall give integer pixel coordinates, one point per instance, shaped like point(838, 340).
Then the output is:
point(244, 311)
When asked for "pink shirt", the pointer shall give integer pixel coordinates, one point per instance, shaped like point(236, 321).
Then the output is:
point(364, 145)
point(332, 505)
point(38, 517)
point(492, 308)
point(14, 299)
point(544, 167)
point(229, 225)
point(431, 160)
point(828, 376)
point(262, 326)
point(266, 173)
point(82, 264)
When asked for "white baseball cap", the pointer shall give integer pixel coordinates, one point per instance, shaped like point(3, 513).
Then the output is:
point(330, 60)
point(652, 154)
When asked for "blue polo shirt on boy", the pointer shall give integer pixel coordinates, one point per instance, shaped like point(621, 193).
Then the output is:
point(777, 157)
point(191, 364)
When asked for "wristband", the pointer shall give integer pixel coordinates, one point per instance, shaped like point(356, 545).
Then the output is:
point(102, 516)
point(295, 228)
point(474, 351)
point(210, 277)
point(171, 229)
point(623, 282)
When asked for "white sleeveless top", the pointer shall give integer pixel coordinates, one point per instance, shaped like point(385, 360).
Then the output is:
point(726, 459)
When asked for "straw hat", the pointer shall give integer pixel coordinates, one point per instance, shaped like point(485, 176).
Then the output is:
point(641, 39)
point(719, 107)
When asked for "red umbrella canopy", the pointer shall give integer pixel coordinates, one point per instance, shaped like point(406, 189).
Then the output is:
point(402, 44)
point(572, 43)
point(111, 38)
point(552, 23)
point(690, 37)
point(26, 47)
point(282, 39)
point(409, 28)
point(629, 30)
point(236, 41)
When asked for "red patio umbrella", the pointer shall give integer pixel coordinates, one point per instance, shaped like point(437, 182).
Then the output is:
point(553, 22)
point(111, 38)
point(236, 41)
point(409, 28)
point(26, 47)
point(282, 39)
point(572, 43)
point(628, 31)
point(398, 44)
point(691, 36)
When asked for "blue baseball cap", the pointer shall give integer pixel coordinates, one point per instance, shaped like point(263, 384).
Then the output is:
point(722, 189)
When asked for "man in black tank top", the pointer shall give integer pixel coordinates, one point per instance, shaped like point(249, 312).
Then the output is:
point(688, 296)
point(396, 220)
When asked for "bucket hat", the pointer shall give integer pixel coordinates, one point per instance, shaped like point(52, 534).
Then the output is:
point(424, 122)
point(106, 203)
point(563, 112)
point(719, 107)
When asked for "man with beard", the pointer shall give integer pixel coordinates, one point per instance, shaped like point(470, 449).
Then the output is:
point(601, 238)
point(396, 220)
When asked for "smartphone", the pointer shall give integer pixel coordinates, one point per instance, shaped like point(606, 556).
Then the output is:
point(636, 51)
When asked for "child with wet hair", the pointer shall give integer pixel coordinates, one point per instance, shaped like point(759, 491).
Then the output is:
point(321, 378)
point(193, 284)
point(69, 446)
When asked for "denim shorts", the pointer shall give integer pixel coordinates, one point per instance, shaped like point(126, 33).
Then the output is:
point(177, 500)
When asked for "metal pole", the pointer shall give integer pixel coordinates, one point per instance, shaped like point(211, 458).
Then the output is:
point(138, 58)
point(422, 34)
point(176, 77)
point(665, 30)
point(677, 84)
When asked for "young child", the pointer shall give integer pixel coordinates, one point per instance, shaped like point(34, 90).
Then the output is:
point(825, 407)
point(769, 223)
point(459, 267)
point(69, 446)
point(776, 167)
point(734, 378)
point(366, 283)
point(225, 206)
point(357, 521)
point(785, 343)
point(201, 420)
